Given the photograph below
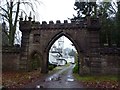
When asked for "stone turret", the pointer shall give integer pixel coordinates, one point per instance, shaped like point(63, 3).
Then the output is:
point(25, 28)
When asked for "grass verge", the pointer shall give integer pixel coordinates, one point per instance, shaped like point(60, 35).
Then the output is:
point(103, 81)
point(97, 78)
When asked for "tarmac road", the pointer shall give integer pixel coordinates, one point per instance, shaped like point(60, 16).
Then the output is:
point(60, 79)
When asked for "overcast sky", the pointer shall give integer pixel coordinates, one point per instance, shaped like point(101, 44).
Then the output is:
point(56, 10)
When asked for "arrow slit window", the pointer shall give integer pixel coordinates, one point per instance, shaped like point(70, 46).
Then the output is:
point(36, 38)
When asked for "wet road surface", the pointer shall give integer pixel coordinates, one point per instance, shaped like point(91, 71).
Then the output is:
point(60, 79)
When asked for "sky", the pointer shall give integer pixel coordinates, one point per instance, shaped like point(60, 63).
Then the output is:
point(67, 43)
point(57, 10)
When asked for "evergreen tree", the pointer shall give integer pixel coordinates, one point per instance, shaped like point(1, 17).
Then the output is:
point(106, 10)
point(85, 8)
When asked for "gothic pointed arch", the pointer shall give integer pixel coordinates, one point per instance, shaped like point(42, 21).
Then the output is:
point(60, 34)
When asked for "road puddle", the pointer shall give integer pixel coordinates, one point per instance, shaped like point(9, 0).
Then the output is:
point(53, 78)
point(49, 79)
point(39, 86)
point(69, 76)
point(70, 80)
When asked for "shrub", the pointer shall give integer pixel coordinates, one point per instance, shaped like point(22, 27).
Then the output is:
point(51, 67)
point(75, 70)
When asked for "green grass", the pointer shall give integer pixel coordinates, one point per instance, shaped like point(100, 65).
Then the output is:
point(96, 78)
point(68, 64)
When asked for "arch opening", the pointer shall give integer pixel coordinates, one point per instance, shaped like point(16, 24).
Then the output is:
point(63, 51)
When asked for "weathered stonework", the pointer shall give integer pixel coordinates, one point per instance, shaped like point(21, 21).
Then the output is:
point(10, 58)
point(39, 38)
point(110, 58)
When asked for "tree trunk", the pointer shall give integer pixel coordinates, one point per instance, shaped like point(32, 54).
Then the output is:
point(12, 28)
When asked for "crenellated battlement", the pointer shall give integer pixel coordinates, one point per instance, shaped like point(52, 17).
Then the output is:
point(59, 25)
point(89, 23)
point(51, 25)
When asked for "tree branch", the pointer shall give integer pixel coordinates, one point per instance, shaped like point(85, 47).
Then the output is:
point(17, 12)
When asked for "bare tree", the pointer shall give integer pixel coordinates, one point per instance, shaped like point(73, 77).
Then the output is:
point(10, 11)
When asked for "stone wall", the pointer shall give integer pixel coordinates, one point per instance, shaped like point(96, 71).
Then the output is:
point(10, 58)
point(110, 60)
point(110, 64)
point(39, 38)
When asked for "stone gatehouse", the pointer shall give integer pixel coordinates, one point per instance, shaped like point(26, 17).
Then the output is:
point(37, 40)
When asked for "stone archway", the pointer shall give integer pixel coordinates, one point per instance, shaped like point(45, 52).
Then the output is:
point(84, 35)
point(80, 51)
